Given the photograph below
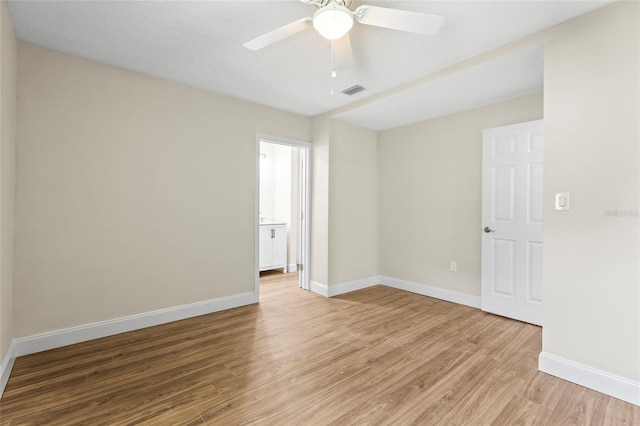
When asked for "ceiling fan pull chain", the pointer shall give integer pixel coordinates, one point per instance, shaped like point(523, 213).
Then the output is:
point(333, 66)
point(333, 60)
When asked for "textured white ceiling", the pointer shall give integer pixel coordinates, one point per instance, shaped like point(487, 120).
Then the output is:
point(200, 43)
point(504, 78)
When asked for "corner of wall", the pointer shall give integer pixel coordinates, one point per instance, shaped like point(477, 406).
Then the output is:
point(320, 200)
point(6, 365)
point(8, 89)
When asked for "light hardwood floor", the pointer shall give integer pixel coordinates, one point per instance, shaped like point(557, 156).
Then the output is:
point(375, 356)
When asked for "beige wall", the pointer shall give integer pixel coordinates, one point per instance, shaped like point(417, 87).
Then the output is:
point(133, 193)
point(320, 200)
point(592, 134)
point(430, 194)
point(344, 217)
point(353, 203)
point(8, 87)
point(344, 213)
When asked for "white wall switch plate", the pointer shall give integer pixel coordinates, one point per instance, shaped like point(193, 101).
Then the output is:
point(563, 201)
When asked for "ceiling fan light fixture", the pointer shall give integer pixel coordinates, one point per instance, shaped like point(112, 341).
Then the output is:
point(333, 21)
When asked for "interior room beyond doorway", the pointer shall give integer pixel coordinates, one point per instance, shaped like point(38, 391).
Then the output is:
point(279, 227)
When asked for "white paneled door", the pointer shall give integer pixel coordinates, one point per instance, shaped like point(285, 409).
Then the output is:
point(512, 159)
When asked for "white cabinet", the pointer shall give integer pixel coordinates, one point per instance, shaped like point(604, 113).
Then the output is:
point(273, 246)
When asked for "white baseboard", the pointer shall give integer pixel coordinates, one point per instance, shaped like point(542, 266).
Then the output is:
point(346, 287)
point(292, 267)
point(321, 289)
point(349, 286)
point(423, 289)
point(6, 366)
point(592, 378)
point(69, 336)
point(435, 292)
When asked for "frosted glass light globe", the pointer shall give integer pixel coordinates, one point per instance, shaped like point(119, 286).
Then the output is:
point(333, 21)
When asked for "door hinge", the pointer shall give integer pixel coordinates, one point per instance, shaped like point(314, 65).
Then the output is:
point(301, 267)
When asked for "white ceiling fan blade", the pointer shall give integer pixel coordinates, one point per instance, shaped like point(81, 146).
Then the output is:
point(403, 20)
point(278, 34)
point(343, 54)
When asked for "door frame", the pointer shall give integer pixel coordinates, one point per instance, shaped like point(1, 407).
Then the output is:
point(305, 206)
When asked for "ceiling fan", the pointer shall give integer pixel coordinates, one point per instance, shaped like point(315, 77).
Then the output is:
point(334, 19)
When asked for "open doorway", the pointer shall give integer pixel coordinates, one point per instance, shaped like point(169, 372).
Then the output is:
point(282, 205)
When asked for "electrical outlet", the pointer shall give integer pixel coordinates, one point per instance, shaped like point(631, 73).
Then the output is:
point(453, 266)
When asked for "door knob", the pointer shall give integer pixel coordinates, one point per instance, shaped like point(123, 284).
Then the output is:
point(487, 229)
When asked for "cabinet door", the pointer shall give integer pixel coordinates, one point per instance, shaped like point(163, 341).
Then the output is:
point(266, 251)
point(279, 246)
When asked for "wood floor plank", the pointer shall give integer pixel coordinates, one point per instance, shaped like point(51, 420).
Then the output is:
point(520, 411)
point(374, 356)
